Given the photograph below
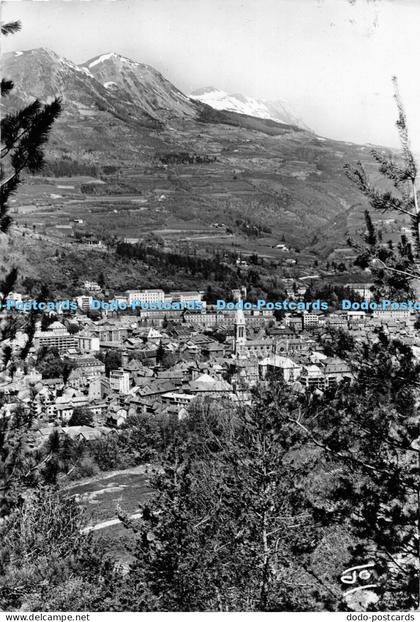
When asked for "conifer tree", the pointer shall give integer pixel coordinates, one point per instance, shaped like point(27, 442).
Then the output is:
point(46, 562)
point(229, 528)
point(396, 268)
point(369, 430)
point(23, 137)
point(383, 404)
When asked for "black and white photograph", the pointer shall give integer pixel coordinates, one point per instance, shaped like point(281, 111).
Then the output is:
point(209, 309)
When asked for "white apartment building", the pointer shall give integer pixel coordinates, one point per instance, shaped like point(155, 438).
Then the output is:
point(57, 336)
point(88, 343)
point(145, 295)
point(310, 319)
point(92, 286)
point(84, 302)
point(184, 297)
point(394, 314)
point(119, 380)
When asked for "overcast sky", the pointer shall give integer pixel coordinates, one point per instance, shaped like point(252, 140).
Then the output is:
point(331, 60)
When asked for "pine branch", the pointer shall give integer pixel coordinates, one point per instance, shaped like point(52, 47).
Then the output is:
point(409, 275)
point(6, 286)
point(347, 457)
point(6, 86)
point(403, 132)
point(391, 170)
point(24, 134)
point(12, 124)
point(10, 28)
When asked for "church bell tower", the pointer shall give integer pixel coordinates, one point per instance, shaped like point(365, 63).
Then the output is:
point(240, 333)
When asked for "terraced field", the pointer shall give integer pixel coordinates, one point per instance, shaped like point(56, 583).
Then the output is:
point(102, 495)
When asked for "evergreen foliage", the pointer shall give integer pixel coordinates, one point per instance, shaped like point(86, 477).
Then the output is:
point(396, 269)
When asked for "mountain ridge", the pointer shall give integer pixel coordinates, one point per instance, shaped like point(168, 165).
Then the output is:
point(143, 83)
point(236, 102)
point(212, 165)
point(41, 73)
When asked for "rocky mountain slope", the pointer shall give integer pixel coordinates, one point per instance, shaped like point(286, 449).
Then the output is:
point(211, 165)
point(41, 73)
point(146, 87)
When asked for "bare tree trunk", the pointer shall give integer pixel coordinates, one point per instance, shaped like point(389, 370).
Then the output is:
point(418, 536)
point(416, 212)
point(416, 281)
point(265, 566)
point(264, 534)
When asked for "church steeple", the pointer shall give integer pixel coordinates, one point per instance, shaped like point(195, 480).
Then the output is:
point(240, 332)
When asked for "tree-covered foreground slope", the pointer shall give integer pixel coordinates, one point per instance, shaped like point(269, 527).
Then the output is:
point(257, 508)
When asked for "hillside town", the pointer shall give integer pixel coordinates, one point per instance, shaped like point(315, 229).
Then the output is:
point(86, 375)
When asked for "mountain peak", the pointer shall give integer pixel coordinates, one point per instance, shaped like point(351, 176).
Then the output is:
point(101, 58)
point(109, 81)
point(44, 57)
point(35, 52)
point(220, 100)
point(115, 58)
point(144, 85)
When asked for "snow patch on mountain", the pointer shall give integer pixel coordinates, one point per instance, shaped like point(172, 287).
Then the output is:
point(102, 58)
point(220, 100)
point(75, 67)
point(112, 56)
point(84, 70)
